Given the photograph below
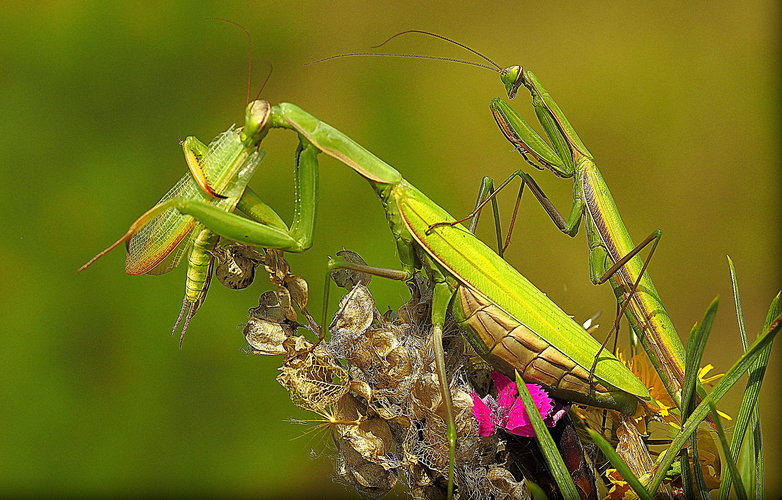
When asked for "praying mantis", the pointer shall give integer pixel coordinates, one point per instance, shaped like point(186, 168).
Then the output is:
point(612, 253)
point(506, 318)
point(218, 177)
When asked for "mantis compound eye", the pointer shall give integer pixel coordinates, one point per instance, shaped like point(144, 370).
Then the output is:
point(255, 118)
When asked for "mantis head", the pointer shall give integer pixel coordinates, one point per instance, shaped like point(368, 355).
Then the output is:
point(513, 78)
point(255, 117)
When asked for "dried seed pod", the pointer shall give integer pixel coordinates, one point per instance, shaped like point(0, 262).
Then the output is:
point(276, 265)
point(266, 337)
point(371, 437)
point(311, 375)
point(348, 278)
point(280, 275)
point(298, 289)
point(369, 479)
point(272, 306)
point(269, 324)
point(506, 484)
point(355, 313)
point(425, 395)
point(378, 377)
point(362, 442)
point(236, 265)
point(361, 389)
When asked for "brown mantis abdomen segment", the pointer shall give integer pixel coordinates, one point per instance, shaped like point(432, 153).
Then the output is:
point(509, 345)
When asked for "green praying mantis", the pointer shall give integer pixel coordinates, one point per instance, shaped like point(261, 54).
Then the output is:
point(612, 253)
point(218, 177)
point(506, 318)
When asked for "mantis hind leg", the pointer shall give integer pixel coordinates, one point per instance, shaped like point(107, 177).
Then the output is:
point(597, 257)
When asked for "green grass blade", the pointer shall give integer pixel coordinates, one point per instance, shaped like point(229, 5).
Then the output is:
point(619, 464)
point(753, 467)
point(695, 346)
point(738, 436)
point(536, 491)
point(748, 418)
point(547, 445)
point(737, 300)
point(700, 481)
point(688, 483)
point(746, 466)
point(741, 493)
point(727, 382)
point(749, 468)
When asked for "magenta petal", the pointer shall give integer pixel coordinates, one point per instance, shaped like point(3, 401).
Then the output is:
point(506, 390)
point(518, 421)
point(501, 381)
point(484, 416)
point(543, 402)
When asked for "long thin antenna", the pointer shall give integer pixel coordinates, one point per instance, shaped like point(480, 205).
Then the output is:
point(414, 56)
point(494, 66)
point(265, 80)
point(435, 35)
point(249, 54)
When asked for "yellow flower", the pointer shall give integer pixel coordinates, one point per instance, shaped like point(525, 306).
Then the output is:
point(620, 490)
point(661, 403)
point(706, 369)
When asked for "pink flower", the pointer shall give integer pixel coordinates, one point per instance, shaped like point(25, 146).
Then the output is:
point(508, 412)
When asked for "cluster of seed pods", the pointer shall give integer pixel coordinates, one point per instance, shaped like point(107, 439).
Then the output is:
point(373, 382)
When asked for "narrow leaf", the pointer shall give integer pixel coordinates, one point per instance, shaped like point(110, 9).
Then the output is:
point(619, 464)
point(748, 414)
point(741, 493)
point(695, 346)
point(727, 382)
point(546, 442)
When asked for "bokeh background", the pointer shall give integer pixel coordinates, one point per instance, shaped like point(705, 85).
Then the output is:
point(679, 102)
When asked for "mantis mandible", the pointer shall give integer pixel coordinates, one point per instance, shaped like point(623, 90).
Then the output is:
point(612, 251)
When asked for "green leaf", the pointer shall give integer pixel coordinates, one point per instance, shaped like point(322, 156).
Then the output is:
point(753, 467)
point(547, 445)
point(619, 464)
point(727, 382)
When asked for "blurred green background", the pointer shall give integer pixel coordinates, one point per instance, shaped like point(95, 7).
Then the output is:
point(679, 102)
